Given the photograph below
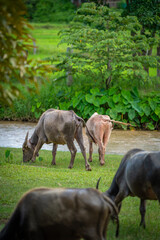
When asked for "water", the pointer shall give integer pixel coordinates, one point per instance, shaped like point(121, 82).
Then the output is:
point(12, 135)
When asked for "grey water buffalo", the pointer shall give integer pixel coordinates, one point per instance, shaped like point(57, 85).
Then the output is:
point(57, 127)
point(100, 128)
point(61, 214)
point(138, 175)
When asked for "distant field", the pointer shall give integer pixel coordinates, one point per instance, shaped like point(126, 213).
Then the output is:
point(17, 177)
point(47, 39)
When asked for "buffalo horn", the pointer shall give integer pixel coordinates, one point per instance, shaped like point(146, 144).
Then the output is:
point(26, 138)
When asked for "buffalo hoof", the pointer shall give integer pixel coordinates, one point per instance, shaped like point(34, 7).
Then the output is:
point(102, 163)
point(89, 159)
point(53, 163)
point(142, 224)
point(70, 167)
point(32, 160)
point(88, 168)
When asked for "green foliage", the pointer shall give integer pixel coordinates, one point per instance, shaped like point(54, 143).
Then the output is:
point(148, 13)
point(15, 42)
point(8, 155)
point(49, 11)
point(119, 104)
point(86, 95)
point(142, 111)
point(103, 46)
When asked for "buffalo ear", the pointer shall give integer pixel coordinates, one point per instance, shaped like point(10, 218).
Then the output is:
point(26, 140)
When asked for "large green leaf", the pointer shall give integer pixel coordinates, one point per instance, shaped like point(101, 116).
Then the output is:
point(127, 95)
point(112, 91)
point(110, 102)
point(131, 114)
point(116, 98)
point(135, 92)
point(155, 117)
point(88, 111)
point(113, 114)
point(92, 99)
point(89, 98)
point(103, 100)
point(146, 108)
point(157, 111)
point(136, 107)
point(95, 91)
point(152, 104)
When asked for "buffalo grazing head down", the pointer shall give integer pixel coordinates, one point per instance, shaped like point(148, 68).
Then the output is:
point(27, 149)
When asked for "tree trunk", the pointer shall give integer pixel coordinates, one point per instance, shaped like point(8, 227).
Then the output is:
point(127, 2)
point(108, 80)
point(69, 72)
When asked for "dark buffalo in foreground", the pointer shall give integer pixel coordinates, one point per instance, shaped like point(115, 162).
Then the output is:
point(61, 214)
point(138, 175)
point(57, 127)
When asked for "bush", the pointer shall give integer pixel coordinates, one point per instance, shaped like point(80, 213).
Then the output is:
point(120, 104)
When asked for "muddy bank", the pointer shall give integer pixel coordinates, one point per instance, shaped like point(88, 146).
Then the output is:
point(12, 134)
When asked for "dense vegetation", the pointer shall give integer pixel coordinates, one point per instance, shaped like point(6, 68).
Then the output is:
point(17, 178)
point(50, 11)
point(103, 63)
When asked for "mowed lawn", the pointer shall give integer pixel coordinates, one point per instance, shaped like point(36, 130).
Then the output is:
point(16, 178)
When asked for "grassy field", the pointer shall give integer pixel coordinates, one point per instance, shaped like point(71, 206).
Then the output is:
point(17, 177)
point(47, 40)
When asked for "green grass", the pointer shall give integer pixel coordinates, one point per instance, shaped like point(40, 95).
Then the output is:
point(17, 177)
point(47, 40)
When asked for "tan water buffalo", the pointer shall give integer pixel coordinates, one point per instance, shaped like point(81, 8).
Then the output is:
point(98, 130)
point(138, 175)
point(57, 127)
point(61, 214)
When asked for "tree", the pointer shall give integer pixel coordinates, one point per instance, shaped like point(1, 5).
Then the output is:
point(15, 41)
point(148, 13)
point(104, 47)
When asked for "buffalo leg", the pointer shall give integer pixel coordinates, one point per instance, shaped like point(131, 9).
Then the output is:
point(106, 140)
point(54, 150)
point(101, 151)
point(157, 189)
point(79, 139)
point(119, 197)
point(36, 150)
point(90, 150)
point(73, 151)
point(142, 212)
